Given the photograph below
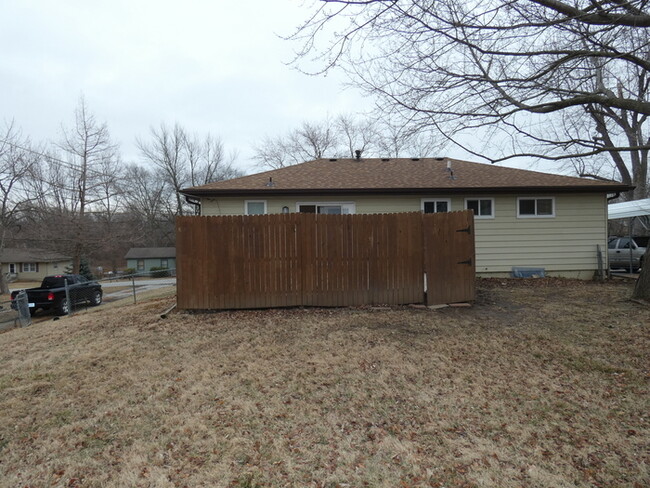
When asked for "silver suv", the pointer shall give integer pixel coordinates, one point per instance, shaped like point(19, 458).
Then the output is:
point(618, 252)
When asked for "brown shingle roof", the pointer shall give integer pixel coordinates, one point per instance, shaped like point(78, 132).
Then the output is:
point(401, 175)
point(16, 255)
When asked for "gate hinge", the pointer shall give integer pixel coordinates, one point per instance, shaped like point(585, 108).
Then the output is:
point(468, 229)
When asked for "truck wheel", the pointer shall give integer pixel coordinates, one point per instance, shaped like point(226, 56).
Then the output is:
point(63, 308)
point(96, 299)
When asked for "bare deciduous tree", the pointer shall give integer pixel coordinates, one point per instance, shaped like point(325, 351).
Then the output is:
point(309, 141)
point(499, 68)
point(186, 160)
point(16, 162)
point(145, 204)
point(90, 175)
point(342, 137)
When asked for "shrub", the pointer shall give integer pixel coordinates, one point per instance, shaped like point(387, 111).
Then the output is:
point(159, 272)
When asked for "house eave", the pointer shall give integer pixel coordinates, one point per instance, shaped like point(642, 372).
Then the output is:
point(210, 193)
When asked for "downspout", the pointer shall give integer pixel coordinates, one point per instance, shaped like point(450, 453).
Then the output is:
point(196, 202)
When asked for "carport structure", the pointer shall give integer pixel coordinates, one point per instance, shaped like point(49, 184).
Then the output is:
point(634, 211)
point(635, 208)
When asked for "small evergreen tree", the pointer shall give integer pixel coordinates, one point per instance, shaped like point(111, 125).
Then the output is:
point(84, 269)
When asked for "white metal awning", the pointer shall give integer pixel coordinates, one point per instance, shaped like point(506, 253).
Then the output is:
point(623, 210)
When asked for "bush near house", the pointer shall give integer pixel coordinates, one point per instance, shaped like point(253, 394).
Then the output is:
point(159, 272)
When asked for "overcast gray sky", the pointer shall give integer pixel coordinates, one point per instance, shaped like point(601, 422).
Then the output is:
point(212, 66)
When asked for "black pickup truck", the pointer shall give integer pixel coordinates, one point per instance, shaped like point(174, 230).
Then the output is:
point(51, 294)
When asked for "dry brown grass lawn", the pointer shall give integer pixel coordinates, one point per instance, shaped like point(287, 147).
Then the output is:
point(536, 385)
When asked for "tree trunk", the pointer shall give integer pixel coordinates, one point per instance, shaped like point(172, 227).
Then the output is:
point(4, 283)
point(642, 287)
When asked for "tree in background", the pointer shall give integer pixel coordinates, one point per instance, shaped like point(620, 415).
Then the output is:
point(151, 221)
point(341, 137)
point(89, 178)
point(558, 80)
point(16, 163)
point(309, 141)
point(183, 160)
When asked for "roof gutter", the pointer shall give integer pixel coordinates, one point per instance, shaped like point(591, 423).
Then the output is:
point(195, 202)
point(399, 191)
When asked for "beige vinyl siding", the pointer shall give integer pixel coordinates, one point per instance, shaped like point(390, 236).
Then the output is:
point(564, 245)
point(44, 269)
point(364, 204)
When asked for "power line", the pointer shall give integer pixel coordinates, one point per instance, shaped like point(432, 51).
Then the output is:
point(48, 156)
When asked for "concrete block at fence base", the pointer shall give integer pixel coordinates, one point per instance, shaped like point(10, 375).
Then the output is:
point(438, 307)
point(460, 305)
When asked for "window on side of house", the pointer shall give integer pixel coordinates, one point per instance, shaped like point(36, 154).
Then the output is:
point(435, 205)
point(331, 208)
point(164, 263)
point(30, 268)
point(255, 207)
point(12, 268)
point(531, 207)
point(483, 207)
point(140, 264)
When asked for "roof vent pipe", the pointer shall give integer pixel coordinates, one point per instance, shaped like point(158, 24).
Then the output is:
point(358, 153)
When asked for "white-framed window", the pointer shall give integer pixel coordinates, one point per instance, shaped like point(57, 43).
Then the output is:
point(435, 205)
point(535, 207)
point(140, 264)
point(30, 267)
point(483, 207)
point(255, 207)
point(12, 268)
point(332, 208)
point(164, 263)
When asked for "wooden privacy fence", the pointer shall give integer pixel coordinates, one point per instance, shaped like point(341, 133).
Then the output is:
point(285, 260)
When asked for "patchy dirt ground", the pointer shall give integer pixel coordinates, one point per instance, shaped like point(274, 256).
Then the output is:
point(541, 383)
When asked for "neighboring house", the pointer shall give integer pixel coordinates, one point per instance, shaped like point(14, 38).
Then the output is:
point(32, 264)
point(142, 259)
point(523, 218)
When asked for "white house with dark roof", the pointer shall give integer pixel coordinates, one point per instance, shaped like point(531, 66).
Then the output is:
point(523, 218)
point(32, 264)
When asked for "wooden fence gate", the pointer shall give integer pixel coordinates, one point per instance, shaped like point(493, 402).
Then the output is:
point(284, 260)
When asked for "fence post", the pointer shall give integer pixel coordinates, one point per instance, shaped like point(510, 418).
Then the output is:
point(67, 296)
point(22, 304)
point(133, 282)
